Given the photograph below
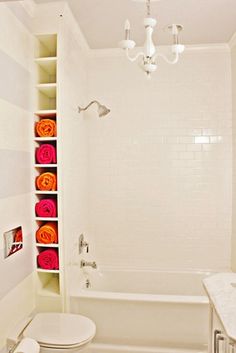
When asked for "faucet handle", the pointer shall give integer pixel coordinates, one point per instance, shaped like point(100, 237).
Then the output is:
point(83, 244)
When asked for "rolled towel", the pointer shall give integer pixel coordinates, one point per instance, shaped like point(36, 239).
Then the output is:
point(47, 234)
point(46, 154)
point(48, 259)
point(46, 208)
point(46, 128)
point(27, 345)
point(18, 236)
point(47, 181)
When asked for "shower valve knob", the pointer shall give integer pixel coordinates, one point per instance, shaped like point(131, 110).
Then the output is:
point(83, 244)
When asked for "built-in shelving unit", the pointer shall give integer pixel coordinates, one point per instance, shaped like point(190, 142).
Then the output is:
point(49, 280)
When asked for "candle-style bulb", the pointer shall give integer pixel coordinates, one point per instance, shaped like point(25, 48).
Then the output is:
point(127, 30)
point(127, 25)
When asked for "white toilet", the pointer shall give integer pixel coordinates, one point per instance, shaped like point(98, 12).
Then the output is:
point(60, 333)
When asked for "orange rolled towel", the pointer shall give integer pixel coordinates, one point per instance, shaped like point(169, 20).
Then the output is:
point(46, 128)
point(47, 234)
point(47, 182)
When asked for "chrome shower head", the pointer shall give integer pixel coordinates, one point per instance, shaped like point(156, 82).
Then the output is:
point(102, 109)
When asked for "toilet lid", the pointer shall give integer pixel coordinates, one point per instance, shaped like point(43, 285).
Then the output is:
point(54, 329)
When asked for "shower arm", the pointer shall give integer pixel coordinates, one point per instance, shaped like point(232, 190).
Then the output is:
point(80, 109)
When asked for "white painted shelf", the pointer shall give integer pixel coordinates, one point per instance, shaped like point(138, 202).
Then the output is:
point(48, 89)
point(47, 271)
point(48, 219)
point(46, 112)
point(45, 165)
point(45, 59)
point(47, 245)
point(42, 139)
point(40, 192)
point(48, 64)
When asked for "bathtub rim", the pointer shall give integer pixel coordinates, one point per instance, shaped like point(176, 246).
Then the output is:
point(140, 297)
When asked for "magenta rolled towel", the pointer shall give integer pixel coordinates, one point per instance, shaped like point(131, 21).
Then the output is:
point(48, 260)
point(46, 208)
point(46, 154)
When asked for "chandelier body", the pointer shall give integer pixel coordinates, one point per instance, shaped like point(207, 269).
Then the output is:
point(150, 53)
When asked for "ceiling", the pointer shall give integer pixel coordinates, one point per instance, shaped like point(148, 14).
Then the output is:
point(204, 21)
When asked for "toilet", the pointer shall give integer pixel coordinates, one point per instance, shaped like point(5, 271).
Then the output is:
point(59, 332)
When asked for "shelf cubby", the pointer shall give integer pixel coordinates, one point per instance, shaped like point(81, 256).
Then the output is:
point(48, 89)
point(46, 46)
point(53, 152)
point(41, 249)
point(46, 99)
point(46, 70)
point(48, 283)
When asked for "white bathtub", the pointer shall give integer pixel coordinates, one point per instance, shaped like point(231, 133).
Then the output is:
point(144, 311)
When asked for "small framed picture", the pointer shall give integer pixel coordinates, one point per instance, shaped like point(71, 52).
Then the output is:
point(13, 240)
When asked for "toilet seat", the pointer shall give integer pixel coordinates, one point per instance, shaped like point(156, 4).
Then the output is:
point(73, 346)
point(60, 331)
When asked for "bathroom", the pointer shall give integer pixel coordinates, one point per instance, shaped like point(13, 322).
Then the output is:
point(150, 185)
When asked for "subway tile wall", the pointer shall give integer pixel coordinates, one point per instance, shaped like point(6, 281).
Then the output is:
point(74, 150)
point(160, 165)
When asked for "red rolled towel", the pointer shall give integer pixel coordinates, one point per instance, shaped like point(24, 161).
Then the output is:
point(46, 208)
point(46, 154)
point(48, 259)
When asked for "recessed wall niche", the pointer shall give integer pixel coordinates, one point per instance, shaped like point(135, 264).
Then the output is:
point(13, 241)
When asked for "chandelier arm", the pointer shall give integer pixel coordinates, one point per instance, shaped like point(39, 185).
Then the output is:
point(135, 57)
point(174, 61)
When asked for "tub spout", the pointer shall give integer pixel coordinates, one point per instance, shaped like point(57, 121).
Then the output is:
point(84, 263)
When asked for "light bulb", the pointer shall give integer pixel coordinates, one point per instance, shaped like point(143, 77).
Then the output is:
point(127, 30)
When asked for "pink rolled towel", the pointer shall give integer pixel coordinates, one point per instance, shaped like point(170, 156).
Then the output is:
point(48, 260)
point(46, 154)
point(46, 208)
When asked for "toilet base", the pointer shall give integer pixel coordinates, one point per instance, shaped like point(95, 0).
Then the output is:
point(64, 350)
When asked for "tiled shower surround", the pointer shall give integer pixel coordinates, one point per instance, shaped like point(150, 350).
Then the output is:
point(160, 165)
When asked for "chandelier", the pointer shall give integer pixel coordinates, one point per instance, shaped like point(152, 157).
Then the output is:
point(149, 54)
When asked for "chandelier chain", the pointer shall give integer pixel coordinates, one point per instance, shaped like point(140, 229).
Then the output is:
point(148, 8)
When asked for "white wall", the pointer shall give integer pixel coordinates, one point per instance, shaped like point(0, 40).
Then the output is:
point(72, 78)
point(233, 68)
point(157, 197)
point(16, 290)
